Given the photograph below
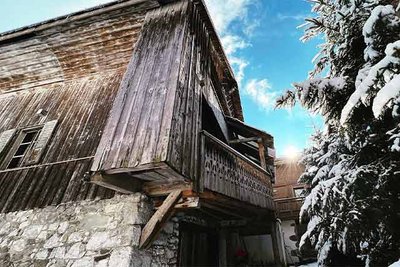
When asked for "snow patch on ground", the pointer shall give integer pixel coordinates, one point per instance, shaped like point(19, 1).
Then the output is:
point(313, 264)
point(395, 264)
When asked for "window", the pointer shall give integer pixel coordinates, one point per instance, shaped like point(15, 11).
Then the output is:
point(27, 148)
point(298, 192)
point(24, 144)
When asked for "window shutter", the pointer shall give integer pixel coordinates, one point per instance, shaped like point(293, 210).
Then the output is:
point(5, 138)
point(43, 139)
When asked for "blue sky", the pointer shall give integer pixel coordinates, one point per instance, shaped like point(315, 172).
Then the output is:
point(261, 40)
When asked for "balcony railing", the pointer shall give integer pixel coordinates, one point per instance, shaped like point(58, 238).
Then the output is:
point(289, 208)
point(224, 170)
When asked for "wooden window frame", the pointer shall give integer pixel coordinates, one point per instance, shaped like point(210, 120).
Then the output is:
point(15, 145)
point(296, 188)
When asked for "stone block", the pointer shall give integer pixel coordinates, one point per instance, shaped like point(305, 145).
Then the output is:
point(62, 228)
point(103, 240)
point(84, 262)
point(42, 254)
point(121, 257)
point(56, 263)
point(5, 228)
point(94, 221)
point(75, 237)
point(113, 208)
point(53, 241)
point(102, 263)
point(32, 231)
point(76, 251)
point(58, 253)
point(18, 246)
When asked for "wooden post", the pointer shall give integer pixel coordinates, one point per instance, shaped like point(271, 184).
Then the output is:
point(222, 248)
point(278, 251)
point(261, 151)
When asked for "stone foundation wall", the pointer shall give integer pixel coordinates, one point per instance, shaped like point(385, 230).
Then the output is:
point(84, 234)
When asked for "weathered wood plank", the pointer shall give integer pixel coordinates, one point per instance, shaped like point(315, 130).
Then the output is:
point(156, 189)
point(154, 225)
point(95, 44)
point(134, 136)
point(120, 182)
point(81, 107)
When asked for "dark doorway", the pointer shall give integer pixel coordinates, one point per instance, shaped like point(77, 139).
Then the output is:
point(198, 246)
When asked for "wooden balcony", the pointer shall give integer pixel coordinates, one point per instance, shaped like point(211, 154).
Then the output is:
point(218, 168)
point(289, 208)
point(226, 171)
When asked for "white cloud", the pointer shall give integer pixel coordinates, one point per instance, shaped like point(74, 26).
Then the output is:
point(232, 43)
point(74, 6)
point(260, 92)
point(250, 27)
point(238, 65)
point(224, 12)
point(281, 16)
point(232, 22)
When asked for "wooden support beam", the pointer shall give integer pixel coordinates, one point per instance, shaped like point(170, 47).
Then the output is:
point(145, 167)
point(189, 203)
point(245, 140)
point(186, 203)
point(156, 222)
point(240, 208)
point(122, 182)
point(220, 210)
point(157, 189)
point(233, 223)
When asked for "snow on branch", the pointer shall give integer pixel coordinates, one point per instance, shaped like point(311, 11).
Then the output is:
point(377, 77)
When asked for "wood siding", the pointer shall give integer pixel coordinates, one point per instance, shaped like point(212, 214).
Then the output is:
point(81, 108)
point(156, 117)
point(138, 129)
point(73, 50)
point(73, 71)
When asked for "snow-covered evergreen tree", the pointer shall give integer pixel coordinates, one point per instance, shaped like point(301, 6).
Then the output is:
point(354, 166)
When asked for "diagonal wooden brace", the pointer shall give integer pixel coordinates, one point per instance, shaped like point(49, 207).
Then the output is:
point(156, 222)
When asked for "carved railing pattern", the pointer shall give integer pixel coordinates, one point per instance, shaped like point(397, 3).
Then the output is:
point(226, 171)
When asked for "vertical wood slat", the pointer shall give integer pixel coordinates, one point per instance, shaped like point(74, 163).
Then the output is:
point(138, 129)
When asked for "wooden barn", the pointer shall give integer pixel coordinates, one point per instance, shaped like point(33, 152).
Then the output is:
point(130, 108)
